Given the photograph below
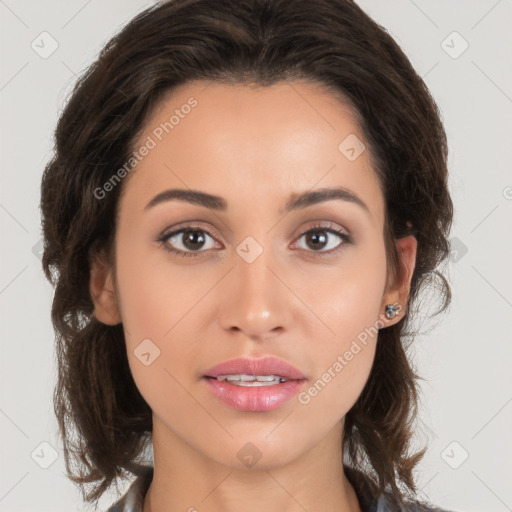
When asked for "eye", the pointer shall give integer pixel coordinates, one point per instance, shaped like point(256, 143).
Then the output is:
point(318, 238)
point(194, 238)
point(191, 238)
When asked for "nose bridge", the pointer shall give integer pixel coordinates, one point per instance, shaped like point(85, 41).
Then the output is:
point(255, 299)
point(255, 259)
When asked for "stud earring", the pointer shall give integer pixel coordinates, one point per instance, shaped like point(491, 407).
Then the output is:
point(390, 311)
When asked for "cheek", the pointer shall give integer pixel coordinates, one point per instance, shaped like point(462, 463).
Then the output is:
point(346, 296)
point(348, 303)
point(157, 308)
point(342, 367)
point(155, 292)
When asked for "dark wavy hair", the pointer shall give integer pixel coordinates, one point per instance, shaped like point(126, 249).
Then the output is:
point(104, 421)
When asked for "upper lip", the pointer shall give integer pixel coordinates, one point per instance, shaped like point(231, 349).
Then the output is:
point(263, 366)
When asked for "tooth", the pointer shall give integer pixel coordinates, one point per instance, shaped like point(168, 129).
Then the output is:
point(254, 384)
point(242, 377)
point(266, 378)
point(231, 377)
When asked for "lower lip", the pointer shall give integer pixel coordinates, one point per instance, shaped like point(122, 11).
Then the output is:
point(254, 399)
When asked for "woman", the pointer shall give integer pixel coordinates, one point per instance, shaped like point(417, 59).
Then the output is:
point(245, 201)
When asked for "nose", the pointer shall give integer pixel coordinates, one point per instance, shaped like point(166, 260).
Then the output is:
point(255, 299)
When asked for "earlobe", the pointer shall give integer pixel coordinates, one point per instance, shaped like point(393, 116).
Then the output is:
point(101, 288)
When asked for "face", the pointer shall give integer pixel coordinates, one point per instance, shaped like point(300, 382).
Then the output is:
point(305, 284)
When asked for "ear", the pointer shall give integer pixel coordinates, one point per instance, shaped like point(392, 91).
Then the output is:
point(397, 291)
point(101, 288)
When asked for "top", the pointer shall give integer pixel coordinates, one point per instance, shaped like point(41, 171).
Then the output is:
point(133, 500)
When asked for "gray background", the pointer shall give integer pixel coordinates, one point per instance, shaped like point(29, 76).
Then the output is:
point(467, 397)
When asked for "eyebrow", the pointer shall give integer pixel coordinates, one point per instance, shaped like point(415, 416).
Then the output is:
point(297, 201)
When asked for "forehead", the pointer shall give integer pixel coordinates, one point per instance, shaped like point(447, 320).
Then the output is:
point(244, 142)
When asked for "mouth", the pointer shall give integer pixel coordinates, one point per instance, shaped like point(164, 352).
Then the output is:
point(245, 380)
point(254, 385)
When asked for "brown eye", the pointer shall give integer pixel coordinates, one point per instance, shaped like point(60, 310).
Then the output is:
point(186, 241)
point(193, 239)
point(319, 238)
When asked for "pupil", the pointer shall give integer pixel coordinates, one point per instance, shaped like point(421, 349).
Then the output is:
point(193, 236)
point(315, 238)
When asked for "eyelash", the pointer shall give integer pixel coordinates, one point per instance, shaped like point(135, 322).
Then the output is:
point(347, 239)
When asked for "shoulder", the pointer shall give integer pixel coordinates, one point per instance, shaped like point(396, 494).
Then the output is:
point(385, 503)
point(371, 501)
point(133, 499)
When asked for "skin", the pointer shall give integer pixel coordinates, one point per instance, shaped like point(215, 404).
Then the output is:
point(254, 147)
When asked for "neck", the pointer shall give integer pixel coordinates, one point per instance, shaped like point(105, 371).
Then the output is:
point(185, 479)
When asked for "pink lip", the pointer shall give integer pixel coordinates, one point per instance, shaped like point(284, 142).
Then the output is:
point(263, 366)
point(260, 398)
point(257, 399)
